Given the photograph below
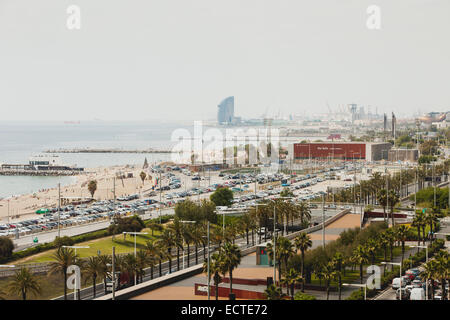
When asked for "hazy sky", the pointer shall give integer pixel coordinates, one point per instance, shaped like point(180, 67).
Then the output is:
point(154, 59)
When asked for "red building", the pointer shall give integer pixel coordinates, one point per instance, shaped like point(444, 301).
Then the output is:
point(369, 151)
point(347, 151)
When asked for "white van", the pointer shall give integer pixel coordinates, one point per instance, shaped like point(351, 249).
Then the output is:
point(396, 283)
point(417, 294)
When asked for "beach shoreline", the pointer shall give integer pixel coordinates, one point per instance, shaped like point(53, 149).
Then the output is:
point(24, 206)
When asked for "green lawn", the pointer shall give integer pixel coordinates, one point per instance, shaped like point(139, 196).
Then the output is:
point(104, 245)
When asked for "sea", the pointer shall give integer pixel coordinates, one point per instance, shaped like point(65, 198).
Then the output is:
point(21, 140)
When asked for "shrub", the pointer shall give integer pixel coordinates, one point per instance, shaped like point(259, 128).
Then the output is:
point(128, 224)
point(64, 241)
point(303, 296)
point(6, 248)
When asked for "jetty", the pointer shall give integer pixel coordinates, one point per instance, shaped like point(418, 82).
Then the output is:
point(89, 150)
point(49, 173)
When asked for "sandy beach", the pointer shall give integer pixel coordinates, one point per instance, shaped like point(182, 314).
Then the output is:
point(24, 206)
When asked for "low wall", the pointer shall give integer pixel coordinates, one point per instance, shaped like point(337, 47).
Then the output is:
point(376, 214)
point(147, 286)
point(263, 282)
point(202, 290)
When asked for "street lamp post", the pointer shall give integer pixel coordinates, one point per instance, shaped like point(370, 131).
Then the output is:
point(209, 268)
point(323, 221)
point(135, 236)
point(401, 282)
point(359, 286)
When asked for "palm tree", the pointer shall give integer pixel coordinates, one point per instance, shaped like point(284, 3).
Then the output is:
point(188, 238)
point(371, 249)
point(231, 258)
point(442, 270)
point(24, 282)
point(177, 238)
point(382, 200)
point(430, 273)
point(92, 187)
point(217, 267)
point(327, 273)
point(431, 219)
point(154, 226)
point(93, 267)
point(217, 235)
point(154, 254)
point(393, 199)
point(360, 257)
point(302, 243)
point(286, 249)
point(304, 212)
point(337, 264)
point(166, 240)
point(120, 265)
point(390, 235)
point(64, 257)
point(142, 260)
point(104, 260)
point(418, 221)
point(402, 232)
point(142, 175)
point(274, 293)
point(198, 239)
point(384, 243)
point(247, 224)
point(130, 266)
point(290, 278)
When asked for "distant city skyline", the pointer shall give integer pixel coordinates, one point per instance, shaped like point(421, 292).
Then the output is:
point(177, 59)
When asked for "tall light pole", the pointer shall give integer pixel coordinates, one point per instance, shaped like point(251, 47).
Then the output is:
point(113, 260)
point(160, 191)
point(434, 185)
point(209, 268)
point(323, 221)
point(59, 210)
point(135, 236)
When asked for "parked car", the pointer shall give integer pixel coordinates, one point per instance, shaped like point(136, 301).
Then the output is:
point(396, 283)
point(417, 294)
point(404, 292)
